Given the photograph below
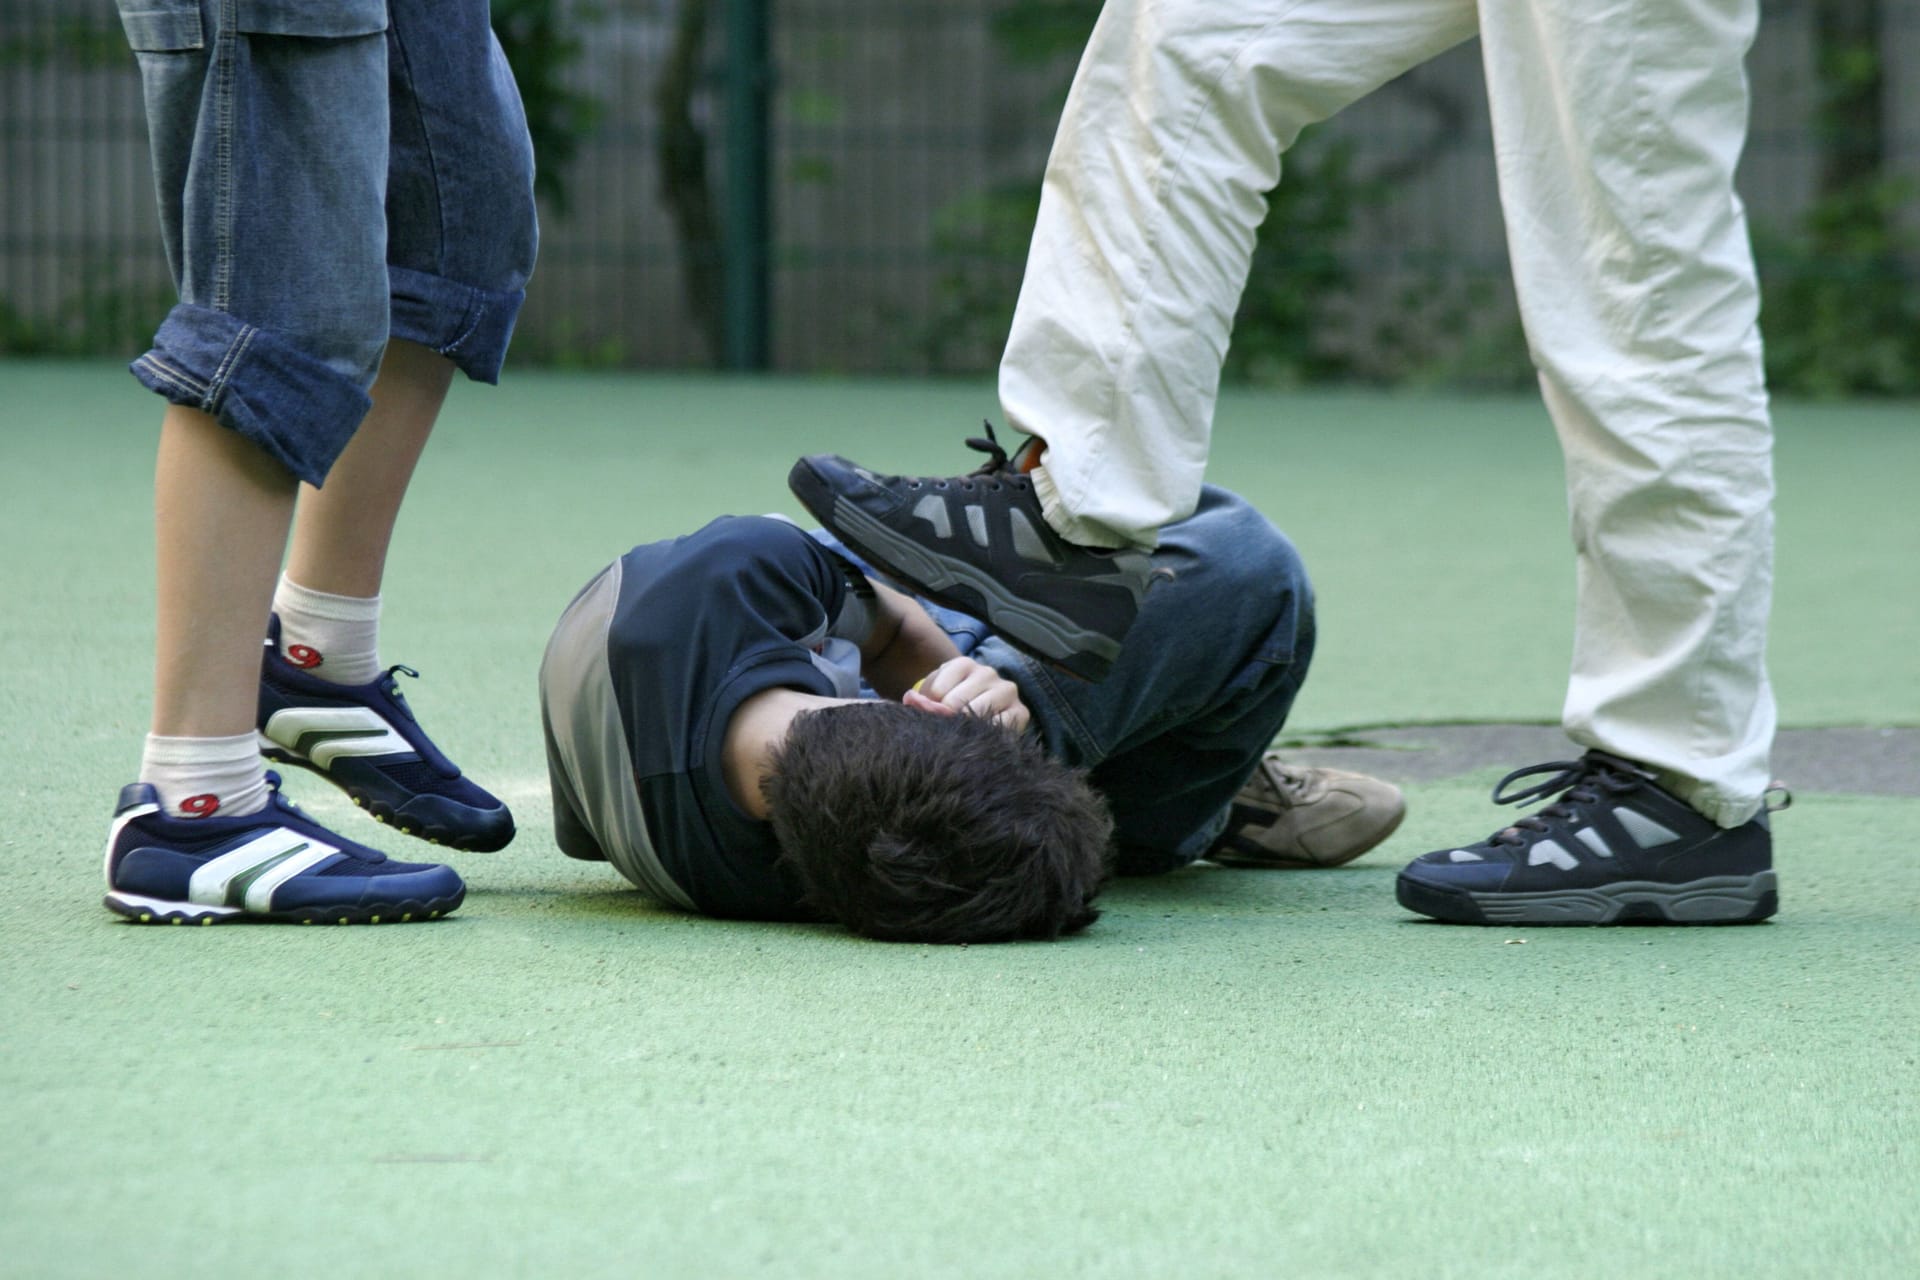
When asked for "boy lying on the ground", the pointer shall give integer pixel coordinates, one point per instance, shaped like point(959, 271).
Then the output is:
point(746, 724)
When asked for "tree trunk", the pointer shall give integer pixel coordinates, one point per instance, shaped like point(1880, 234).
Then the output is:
point(684, 181)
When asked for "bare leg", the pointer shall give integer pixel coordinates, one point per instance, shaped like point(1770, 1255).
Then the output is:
point(342, 531)
point(221, 511)
point(340, 539)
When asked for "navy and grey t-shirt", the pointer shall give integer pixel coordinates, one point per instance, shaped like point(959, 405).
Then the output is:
point(641, 678)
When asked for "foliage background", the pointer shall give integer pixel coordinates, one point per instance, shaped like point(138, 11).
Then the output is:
point(908, 139)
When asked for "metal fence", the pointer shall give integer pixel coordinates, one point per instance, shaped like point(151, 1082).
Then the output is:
point(846, 185)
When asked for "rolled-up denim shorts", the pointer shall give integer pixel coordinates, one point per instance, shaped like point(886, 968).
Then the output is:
point(330, 173)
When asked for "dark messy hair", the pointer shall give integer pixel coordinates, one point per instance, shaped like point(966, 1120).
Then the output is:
point(913, 827)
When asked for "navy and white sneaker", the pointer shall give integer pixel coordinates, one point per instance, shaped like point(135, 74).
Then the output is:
point(364, 739)
point(1615, 847)
point(980, 544)
point(277, 864)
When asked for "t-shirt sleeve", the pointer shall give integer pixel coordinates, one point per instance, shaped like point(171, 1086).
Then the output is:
point(703, 623)
point(699, 606)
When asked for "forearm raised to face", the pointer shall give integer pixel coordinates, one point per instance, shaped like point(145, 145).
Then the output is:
point(904, 644)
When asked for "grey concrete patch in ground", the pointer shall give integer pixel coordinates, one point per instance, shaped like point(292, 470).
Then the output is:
point(1870, 762)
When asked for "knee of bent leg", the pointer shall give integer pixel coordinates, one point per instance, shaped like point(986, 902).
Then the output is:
point(1262, 611)
point(1274, 575)
point(1244, 554)
point(1264, 583)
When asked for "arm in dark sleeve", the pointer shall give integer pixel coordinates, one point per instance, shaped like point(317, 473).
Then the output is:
point(737, 585)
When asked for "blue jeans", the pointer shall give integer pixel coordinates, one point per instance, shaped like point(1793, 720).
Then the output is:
point(330, 173)
point(1203, 683)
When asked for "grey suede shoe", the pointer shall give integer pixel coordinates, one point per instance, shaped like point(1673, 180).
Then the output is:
point(1292, 816)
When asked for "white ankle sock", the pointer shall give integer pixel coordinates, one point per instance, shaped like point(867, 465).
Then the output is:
point(199, 777)
point(334, 637)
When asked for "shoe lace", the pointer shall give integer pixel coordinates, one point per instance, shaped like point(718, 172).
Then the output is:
point(997, 457)
point(1777, 797)
point(274, 793)
point(392, 685)
point(999, 467)
point(1577, 783)
point(1282, 783)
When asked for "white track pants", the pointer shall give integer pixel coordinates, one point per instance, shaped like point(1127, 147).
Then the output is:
point(1617, 125)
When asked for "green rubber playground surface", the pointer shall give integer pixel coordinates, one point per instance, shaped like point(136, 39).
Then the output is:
point(1232, 1074)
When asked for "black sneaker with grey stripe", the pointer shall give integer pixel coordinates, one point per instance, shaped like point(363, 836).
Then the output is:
point(1614, 847)
point(978, 543)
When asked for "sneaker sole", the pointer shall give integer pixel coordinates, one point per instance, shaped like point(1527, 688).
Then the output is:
point(405, 824)
point(143, 910)
point(1713, 900)
point(1041, 631)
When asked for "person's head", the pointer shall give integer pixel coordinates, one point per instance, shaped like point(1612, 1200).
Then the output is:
point(913, 827)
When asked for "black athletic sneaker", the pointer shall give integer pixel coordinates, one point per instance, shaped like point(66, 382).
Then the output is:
point(979, 543)
point(1614, 848)
point(364, 739)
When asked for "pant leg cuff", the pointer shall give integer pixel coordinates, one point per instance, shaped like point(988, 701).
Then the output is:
point(469, 326)
point(300, 410)
point(1076, 529)
point(1711, 802)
